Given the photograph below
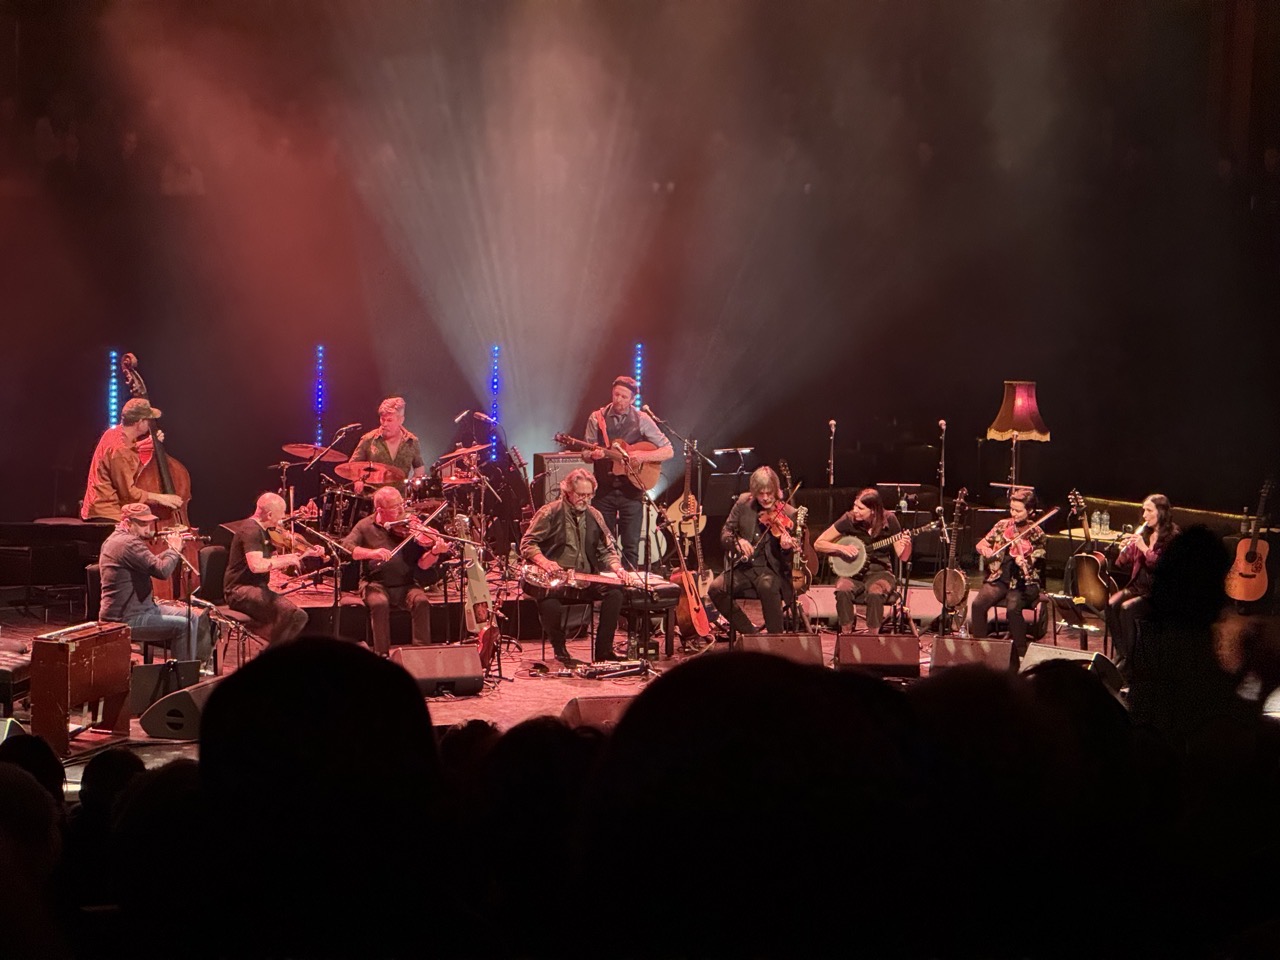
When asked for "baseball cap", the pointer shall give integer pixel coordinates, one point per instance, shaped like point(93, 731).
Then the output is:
point(138, 409)
point(136, 511)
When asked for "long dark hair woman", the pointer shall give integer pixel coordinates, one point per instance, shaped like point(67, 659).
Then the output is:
point(1139, 557)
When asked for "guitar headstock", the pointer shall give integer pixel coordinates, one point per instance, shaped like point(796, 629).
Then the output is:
point(802, 516)
point(964, 492)
point(1076, 501)
point(784, 469)
point(566, 441)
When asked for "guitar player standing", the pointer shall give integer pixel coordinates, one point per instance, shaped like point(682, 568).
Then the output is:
point(619, 501)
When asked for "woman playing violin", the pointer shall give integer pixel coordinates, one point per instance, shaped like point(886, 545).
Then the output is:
point(757, 534)
point(398, 551)
point(1015, 549)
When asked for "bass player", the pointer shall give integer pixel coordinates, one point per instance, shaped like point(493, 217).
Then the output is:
point(619, 501)
point(866, 521)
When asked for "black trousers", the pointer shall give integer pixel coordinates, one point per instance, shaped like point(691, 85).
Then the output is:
point(551, 615)
point(768, 586)
point(989, 594)
point(272, 614)
point(871, 589)
point(1125, 608)
point(381, 599)
point(623, 512)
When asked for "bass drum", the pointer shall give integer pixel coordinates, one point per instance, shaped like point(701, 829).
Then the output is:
point(341, 509)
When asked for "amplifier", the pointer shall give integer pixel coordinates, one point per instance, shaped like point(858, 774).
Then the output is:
point(550, 469)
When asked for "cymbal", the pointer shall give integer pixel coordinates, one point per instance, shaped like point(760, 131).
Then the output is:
point(429, 505)
point(465, 451)
point(457, 481)
point(307, 451)
point(369, 471)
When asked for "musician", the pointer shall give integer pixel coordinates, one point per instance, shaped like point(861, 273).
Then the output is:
point(618, 500)
point(1139, 555)
point(247, 581)
point(867, 521)
point(393, 575)
point(570, 534)
point(127, 567)
point(116, 463)
point(1014, 576)
point(391, 443)
point(757, 558)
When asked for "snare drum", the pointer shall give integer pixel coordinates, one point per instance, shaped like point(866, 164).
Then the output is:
point(340, 509)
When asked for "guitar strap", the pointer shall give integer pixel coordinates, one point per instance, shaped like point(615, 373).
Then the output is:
point(604, 431)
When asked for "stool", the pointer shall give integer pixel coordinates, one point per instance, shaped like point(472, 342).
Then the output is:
point(15, 679)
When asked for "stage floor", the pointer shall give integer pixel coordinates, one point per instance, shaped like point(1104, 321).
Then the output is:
point(532, 684)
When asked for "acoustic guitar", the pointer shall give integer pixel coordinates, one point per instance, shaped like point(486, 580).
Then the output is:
point(1247, 578)
point(1092, 580)
point(804, 561)
point(851, 568)
point(642, 474)
point(685, 513)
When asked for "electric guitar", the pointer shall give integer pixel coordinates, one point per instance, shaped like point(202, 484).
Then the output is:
point(950, 586)
point(1247, 578)
point(851, 568)
point(1092, 580)
point(642, 474)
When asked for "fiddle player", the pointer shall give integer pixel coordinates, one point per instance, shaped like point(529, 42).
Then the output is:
point(618, 500)
point(393, 574)
point(1139, 555)
point(867, 520)
point(391, 443)
point(127, 568)
point(247, 582)
point(116, 463)
point(758, 547)
point(570, 534)
point(1014, 576)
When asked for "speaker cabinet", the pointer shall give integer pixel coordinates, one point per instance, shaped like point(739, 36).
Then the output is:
point(1107, 671)
point(441, 669)
point(887, 655)
point(177, 715)
point(800, 647)
point(956, 651)
point(601, 712)
point(551, 468)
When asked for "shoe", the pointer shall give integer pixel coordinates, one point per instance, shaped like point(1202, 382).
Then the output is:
point(567, 659)
point(611, 655)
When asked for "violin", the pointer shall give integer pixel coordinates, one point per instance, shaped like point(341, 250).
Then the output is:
point(775, 519)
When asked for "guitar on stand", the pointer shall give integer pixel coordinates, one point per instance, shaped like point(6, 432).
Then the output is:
point(804, 560)
point(950, 585)
point(1247, 578)
point(691, 613)
point(1092, 582)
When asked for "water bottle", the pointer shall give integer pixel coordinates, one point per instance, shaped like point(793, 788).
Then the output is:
point(1106, 521)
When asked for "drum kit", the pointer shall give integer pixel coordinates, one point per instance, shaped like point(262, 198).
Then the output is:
point(455, 482)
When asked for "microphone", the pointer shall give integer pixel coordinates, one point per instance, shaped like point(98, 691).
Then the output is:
point(484, 416)
point(832, 425)
point(458, 418)
point(617, 445)
point(942, 425)
point(646, 409)
point(349, 427)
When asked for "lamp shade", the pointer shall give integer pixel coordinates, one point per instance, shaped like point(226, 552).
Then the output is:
point(1019, 414)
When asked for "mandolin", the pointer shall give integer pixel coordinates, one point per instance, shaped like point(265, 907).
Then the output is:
point(851, 568)
point(643, 474)
point(1247, 578)
point(1092, 580)
point(804, 561)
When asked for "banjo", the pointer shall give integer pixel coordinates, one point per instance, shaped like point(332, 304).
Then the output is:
point(851, 568)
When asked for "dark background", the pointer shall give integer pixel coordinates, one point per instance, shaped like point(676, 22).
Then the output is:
point(937, 202)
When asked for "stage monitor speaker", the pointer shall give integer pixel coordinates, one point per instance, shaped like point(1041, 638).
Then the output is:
point(956, 651)
point(888, 655)
point(551, 468)
point(148, 682)
point(1107, 671)
point(800, 647)
point(10, 727)
point(443, 669)
point(600, 712)
point(177, 715)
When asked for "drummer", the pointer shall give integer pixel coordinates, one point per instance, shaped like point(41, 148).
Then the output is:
point(391, 443)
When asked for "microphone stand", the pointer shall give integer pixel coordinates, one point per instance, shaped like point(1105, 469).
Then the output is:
point(337, 549)
point(831, 458)
point(320, 456)
point(944, 541)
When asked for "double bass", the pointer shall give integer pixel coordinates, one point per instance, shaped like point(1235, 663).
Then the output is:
point(164, 474)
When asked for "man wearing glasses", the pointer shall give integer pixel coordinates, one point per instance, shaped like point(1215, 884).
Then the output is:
point(569, 535)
